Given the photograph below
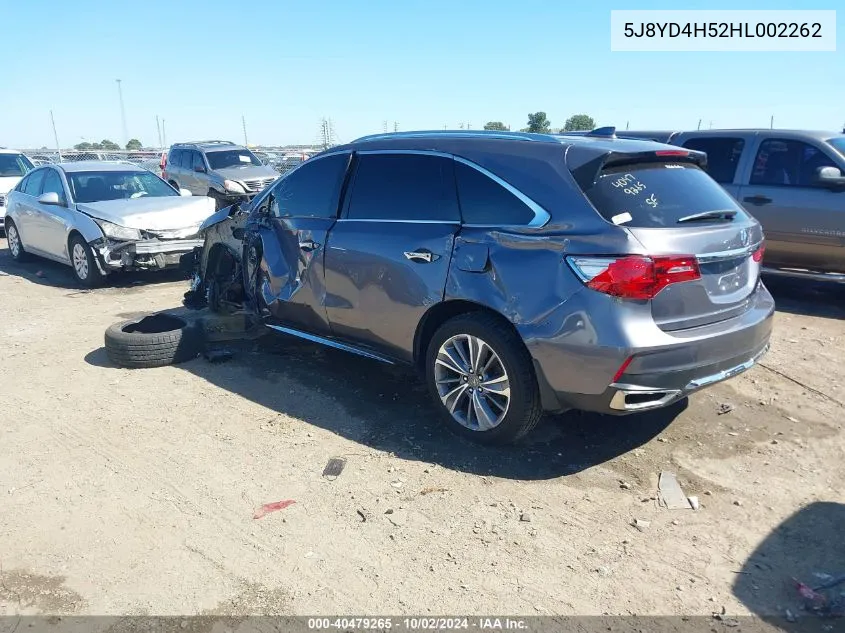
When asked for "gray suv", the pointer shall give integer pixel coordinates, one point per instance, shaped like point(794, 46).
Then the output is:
point(518, 272)
point(226, 172)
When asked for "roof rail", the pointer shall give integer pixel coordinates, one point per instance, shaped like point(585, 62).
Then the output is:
point(213, 142)
point(604, 132)
point(514, 136)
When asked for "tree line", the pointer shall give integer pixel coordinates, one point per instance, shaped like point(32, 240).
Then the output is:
point(539, 123)
point(133, 145)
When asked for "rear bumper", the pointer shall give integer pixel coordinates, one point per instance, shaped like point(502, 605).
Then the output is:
point(660, 390)
point(580, 373)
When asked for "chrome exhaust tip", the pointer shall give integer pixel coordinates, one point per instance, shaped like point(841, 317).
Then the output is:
point(634, 398)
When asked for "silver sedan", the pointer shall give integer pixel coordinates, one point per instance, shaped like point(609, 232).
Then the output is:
point(100, 217)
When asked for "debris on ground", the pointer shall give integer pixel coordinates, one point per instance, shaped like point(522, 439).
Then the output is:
point(432, 489)
point(724, 407)
point(363, 514)
point(694, 503)
point(641, 524)
point(398, 518)
point(267, 508)
point(525, 517)
point(333, 468)
point(672, 496)
point(217, 355)
point(820, 600)
point(624, 485)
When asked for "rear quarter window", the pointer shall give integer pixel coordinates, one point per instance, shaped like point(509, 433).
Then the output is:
point(723, 154)
point(656, 194)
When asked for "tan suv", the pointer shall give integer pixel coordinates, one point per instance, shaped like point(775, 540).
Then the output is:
point(226, 172)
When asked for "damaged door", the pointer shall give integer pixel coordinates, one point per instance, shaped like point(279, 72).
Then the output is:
point(389, 254)
point(285, 244)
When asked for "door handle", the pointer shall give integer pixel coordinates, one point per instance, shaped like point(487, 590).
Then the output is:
point(308, 245)
point(422, 256)
point(758, 199)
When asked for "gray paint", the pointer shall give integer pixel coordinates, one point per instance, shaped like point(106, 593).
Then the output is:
point(357, 289)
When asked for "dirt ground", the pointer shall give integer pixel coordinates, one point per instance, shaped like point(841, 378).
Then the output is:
point(133, 491)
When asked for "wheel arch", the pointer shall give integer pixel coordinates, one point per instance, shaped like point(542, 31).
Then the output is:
point(441, 312)
point(438, 314)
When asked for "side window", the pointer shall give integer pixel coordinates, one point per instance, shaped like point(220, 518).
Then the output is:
point(22, 184)
point(788, 163)
point(313, 190)
point(722, 156)
point(410, 187)
point(33, 183)
point(484, 201)
point(175, 158)
point(197, 161)
point(53, 183)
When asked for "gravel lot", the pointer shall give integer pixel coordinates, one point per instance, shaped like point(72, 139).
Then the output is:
point(134, 491)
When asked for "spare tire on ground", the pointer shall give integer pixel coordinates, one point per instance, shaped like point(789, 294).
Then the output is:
point(155, 340)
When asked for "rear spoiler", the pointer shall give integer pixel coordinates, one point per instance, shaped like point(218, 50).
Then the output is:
point(586, 163)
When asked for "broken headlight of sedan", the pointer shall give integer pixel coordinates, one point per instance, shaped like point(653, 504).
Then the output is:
point(117, 232)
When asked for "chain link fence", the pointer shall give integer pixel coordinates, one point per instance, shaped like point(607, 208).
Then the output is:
point(282, 159)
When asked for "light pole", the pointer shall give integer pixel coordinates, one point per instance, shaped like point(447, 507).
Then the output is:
point(122, 113)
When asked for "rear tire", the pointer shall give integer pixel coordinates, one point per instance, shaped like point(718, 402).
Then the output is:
point(13, 241)
point(504, 403)
point(84, 263)
point(155, 340)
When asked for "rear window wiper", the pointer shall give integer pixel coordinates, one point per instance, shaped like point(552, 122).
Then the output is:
point(724, 214)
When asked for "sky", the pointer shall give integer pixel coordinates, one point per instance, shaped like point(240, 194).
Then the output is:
point(423, 64)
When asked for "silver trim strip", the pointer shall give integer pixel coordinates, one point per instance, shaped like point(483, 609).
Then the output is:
point(330, 343)
point(729, 254)
point(392, 221)
point(698, 383)
point(541, 216)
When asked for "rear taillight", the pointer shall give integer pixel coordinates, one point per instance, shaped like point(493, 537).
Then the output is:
point(758, 254)
point(634, 276)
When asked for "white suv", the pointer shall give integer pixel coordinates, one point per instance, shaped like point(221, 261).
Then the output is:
point(13, 167)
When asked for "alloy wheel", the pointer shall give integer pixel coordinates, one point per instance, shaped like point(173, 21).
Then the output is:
point(472, 382)
point(80, 261)
point(13, 239)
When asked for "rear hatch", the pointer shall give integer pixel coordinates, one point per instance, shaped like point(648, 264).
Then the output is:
point(675, 210)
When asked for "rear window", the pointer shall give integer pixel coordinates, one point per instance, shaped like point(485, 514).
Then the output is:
point(656, 194)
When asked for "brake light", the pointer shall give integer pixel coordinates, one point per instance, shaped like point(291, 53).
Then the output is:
point(671, 152)
point(634, 276)
point(758, 254)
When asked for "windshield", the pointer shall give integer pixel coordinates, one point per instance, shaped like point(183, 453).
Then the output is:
point(14, 165)
point(232, 158)
point(657, 194)
point(838, 143)
point(96, 186)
